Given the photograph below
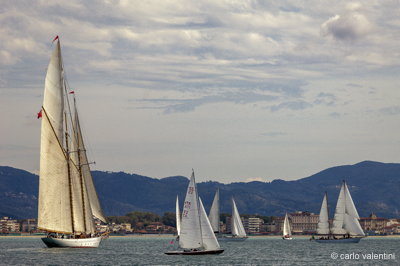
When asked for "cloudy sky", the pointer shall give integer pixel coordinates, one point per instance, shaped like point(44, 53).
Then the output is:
point(238, 90)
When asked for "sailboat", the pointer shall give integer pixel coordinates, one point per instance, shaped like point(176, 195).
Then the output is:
point(238, 232)
point(196, 234)
point(68, 200)
point(214, 215)
point(346, 227)
point(287, 233)
point(178, 218)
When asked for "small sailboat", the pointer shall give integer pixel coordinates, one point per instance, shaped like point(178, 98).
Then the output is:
point(346, 227)
point(178, 218)
point(214, 214)
point(68, 200)
point(196, 234)
point(287, 233)
point(238, 232)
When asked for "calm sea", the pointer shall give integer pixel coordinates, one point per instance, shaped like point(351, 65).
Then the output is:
point(254, 251)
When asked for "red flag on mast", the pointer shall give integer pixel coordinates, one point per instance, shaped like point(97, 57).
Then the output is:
point(56, 38)
point(72, 92)
point(39, 115)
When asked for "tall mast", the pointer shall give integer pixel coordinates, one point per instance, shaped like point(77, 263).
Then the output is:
point(198, 207)
point(69, 172)
point(77, 139)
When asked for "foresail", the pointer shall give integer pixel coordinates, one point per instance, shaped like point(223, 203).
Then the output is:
point(237, 225)
point(209, 240)
point(323, 222)
point(214, 213)
point(352, 226)
point(338, 219)
point(95, 206)
point(190, 236)
point(350, 207)
point(178, 217)
point(54, 204)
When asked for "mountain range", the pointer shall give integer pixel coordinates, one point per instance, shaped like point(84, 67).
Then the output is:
point(375, 188)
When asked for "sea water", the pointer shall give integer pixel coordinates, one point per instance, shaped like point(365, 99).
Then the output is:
point(253, 251)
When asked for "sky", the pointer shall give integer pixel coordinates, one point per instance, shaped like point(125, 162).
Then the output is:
point(237, 90)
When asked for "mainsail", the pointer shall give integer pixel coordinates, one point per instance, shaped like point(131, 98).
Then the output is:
point(286, 226)
point(190, 236)
point(346, 216)
point(237, 225)
point(214, 213)
point(67, 197)
point(323, 227)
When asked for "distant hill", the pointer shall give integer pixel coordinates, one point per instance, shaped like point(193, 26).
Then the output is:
point(375, 187)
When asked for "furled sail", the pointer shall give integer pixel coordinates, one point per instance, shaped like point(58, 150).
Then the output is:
point(190, 236)
point(237, 225)
point(54, 208)
point(208, 237)
point(323, 222)
point(214, 213)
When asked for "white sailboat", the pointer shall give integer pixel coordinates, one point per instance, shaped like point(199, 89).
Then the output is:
point(67, 196)
point(238, 232)
point(178, 217)
point(214, 213)
point(287, 233)
point(346, 227)
point(196, 234)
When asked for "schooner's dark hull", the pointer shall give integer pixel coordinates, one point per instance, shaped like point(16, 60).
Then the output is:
point(195, 252)
point(339, 240)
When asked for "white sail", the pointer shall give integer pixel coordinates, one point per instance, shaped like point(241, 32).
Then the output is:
point(178, 216)
point(93, 198)
point(191, 236)
point(340, 210)
point(214, 213)
point(323, 221)
point(286, 227)
point(208, 237)
point(54, 207)
point(346, 215)
point(350, 207)
point(237, 225)
point(65, 193)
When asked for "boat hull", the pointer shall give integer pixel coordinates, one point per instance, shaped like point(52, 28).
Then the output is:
point(197, 252)
point(93, 242)
point(287, 238)
point(230, 238)
point(339, 240)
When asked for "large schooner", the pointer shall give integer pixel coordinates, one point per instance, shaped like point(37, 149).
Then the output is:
point(346, 228)
point(68, 200)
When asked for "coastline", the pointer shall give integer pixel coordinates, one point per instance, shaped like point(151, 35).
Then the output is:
point(170, 235)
